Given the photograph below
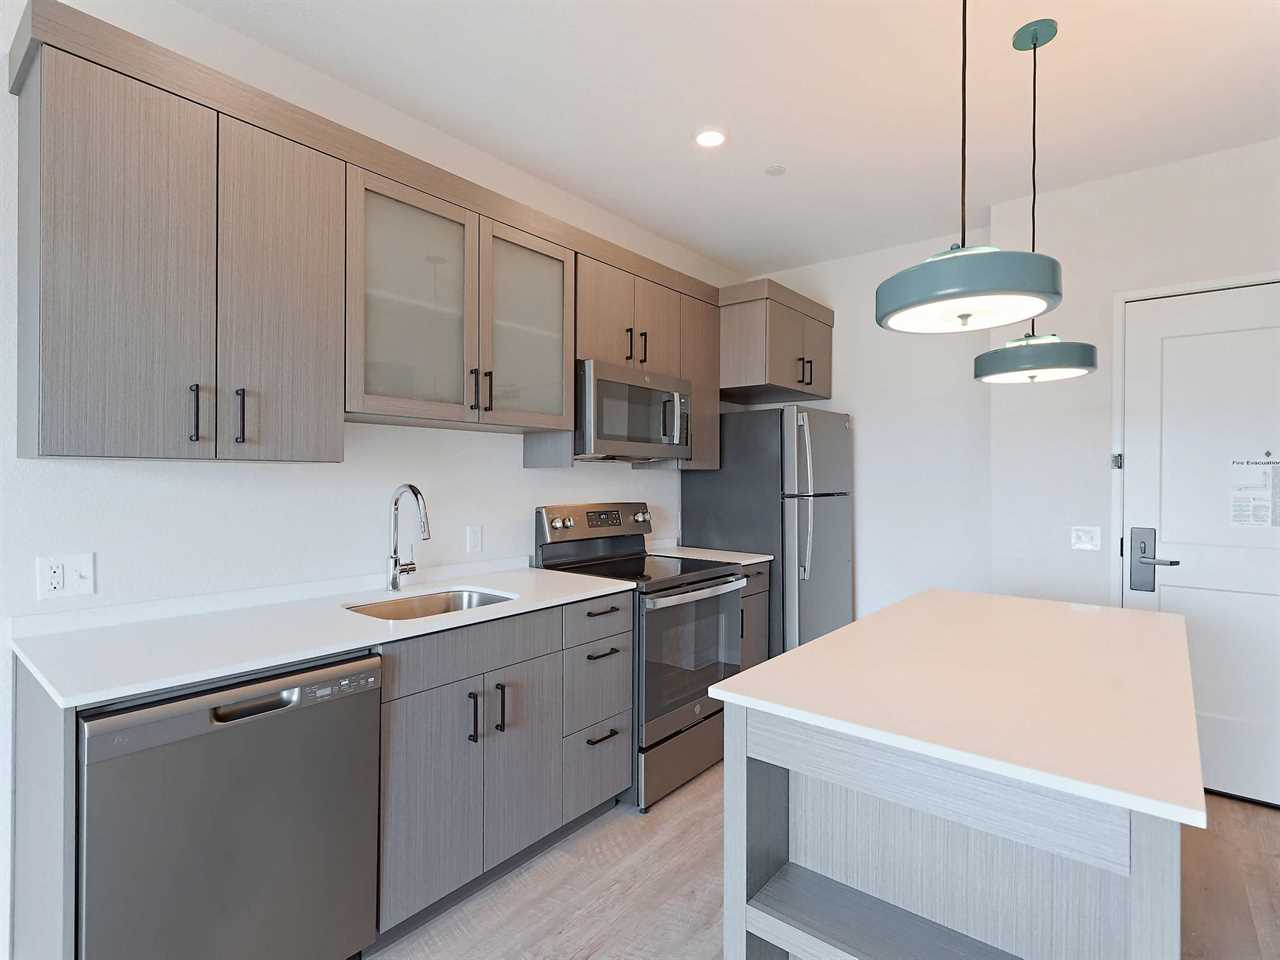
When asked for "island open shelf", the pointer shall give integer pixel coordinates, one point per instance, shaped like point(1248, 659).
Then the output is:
point(963, 777)
point(810, 915)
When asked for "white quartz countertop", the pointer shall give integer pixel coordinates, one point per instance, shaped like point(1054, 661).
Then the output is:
point(1091, 701)
point(92, 666)
point(705, 553)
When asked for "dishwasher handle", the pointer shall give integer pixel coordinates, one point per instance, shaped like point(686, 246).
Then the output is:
point(117, 733)
point(256, 706)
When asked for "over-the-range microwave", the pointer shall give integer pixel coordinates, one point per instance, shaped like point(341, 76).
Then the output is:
point(628, 414)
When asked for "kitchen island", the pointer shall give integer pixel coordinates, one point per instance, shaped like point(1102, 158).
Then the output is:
point(964, 776)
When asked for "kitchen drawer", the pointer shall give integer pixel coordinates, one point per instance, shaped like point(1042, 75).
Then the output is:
point(596, 771)
point(593, 619)
point(409, 666)
point(597, 681)
point(757, 578)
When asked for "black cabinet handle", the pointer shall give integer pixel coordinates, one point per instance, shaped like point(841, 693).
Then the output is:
point(600, 656)
point(742, 624)
point(194, 436)
point(608, 736)
point(488, 375)
point(644, 346)
point(240, 393)
point(631, 342)
point(502, 707)
point(474, 735)
point(809, 379)
point(757, 573)
point(800, 360)
point(602, 613)
point(475, 385)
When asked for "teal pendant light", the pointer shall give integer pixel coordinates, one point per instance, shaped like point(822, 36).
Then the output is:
point(968, 288)
point(1032, 358)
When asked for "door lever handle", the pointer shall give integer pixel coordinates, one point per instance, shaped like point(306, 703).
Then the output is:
point(1157, 562)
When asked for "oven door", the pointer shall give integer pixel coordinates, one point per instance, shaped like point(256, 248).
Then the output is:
point(690, 639)
point(626, 414)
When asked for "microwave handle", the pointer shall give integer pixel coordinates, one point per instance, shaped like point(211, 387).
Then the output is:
point(676, 420)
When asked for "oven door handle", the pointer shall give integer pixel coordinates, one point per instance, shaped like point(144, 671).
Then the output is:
point(660, 603)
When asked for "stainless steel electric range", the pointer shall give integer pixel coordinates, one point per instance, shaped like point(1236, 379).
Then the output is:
point(686, 626)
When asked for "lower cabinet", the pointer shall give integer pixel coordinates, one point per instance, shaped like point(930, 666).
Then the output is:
point(521, 736)
point(597, 764)
point(755, 629)
point(431, 788)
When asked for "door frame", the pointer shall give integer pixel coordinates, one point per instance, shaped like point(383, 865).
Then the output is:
point(1122, 300)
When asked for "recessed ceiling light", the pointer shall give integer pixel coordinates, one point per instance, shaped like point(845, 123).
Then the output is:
point(709, 137)
point(774, 170)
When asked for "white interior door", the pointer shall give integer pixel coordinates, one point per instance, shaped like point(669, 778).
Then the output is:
point(1202, 467)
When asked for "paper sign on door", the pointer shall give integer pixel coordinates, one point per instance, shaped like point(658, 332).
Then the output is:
point(1255, 493)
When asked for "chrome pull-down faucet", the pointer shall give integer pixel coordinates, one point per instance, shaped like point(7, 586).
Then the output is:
point(395, 569)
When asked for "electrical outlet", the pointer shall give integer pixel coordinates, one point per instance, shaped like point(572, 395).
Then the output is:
point(1086, 538)
point(475, 539)
point(67, 575)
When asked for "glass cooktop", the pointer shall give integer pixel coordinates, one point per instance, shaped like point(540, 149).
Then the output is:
point(652, 572)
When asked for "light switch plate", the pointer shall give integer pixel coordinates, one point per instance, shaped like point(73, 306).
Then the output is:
point(475, 538)
point(1086, 538)
point(66, 575)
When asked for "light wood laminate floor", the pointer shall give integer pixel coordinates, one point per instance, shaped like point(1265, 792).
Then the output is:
point(647, 887)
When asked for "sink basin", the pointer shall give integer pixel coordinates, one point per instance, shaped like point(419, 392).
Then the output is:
point(428, 604)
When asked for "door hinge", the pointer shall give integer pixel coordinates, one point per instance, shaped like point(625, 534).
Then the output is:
point(1117, 461)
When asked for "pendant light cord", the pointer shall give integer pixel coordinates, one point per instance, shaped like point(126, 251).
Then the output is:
point(1035, 47)
point(964, 108)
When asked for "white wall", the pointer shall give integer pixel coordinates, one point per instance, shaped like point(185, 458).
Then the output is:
point(163, 530)
point(1204, 219)
point(920, 427)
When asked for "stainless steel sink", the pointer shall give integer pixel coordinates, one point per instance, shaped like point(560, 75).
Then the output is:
point(428, 604)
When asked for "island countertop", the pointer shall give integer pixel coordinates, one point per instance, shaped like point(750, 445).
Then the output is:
point(1088, 700)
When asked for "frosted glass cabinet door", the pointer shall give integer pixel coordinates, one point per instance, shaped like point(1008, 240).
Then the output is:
point(526, 329)
point(412, 334)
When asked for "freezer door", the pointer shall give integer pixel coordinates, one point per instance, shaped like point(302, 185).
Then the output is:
point(819, 567)
point(817, 452)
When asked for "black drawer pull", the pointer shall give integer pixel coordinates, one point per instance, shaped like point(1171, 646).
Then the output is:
point(600, 656)
point(644, 346)
point(809, 378)
point(194, 435)
point(488, 375)
point(800, 360)
point(608, 736)
point(474, 735)
point(501, 725)
point(475, 388)
point(240, 437)
point(757, 573)
point(602, 613)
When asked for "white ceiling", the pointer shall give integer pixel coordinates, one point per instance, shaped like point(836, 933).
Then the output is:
point(858, 99)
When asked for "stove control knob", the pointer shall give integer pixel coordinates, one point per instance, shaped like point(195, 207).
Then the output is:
point(568, 522)
point(641, 516)
point(556, 523)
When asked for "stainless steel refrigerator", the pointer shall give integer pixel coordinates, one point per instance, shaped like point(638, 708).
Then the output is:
point(784, 487)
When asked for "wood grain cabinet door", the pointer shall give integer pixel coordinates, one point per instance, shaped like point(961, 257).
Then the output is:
point(755, 629)
point(700, 365)
point(522, 772)
point(786, 367)
point(657, 328)
point(125, 265)
point(431, 840)
point(280, 298)
point(526, 329)
point(606, 328)
point(817, 352)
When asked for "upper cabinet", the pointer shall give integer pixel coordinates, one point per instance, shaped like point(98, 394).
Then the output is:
point(413, 338)
point(700, 365)
point(179, 270)
point(606, 313)
point(452, 316)
point(117, 278)
point(280, 298)
point(657, 329)
point(774, 344)
point(526, 329)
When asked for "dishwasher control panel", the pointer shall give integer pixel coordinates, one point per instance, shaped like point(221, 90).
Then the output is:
point(341, 686)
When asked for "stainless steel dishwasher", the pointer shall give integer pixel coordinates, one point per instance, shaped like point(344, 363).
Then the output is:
point(239, 823)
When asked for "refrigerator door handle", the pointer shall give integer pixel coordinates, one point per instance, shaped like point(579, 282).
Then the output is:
point(803, 420)
point(807, 566)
